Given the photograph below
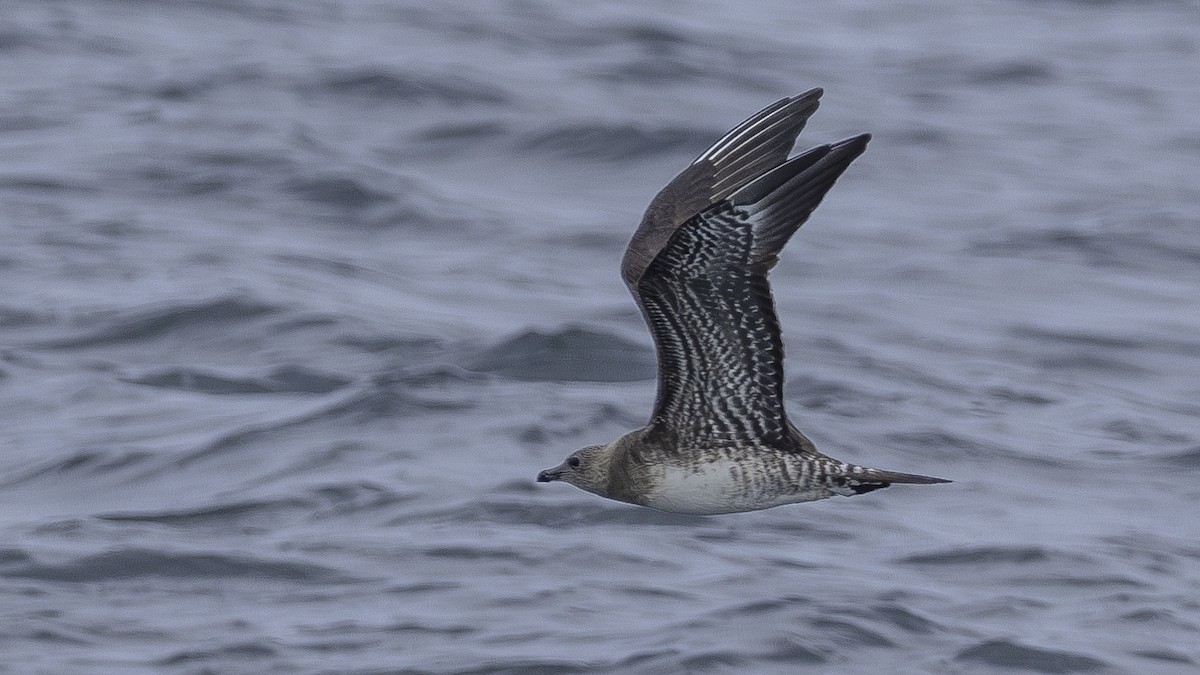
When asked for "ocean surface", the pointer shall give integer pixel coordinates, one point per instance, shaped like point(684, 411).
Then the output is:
point(296, 298)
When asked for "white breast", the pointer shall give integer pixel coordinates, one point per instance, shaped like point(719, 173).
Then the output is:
point(707, 490)
point(719, 487)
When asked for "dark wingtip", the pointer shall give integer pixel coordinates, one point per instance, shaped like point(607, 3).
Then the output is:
point(857, 143)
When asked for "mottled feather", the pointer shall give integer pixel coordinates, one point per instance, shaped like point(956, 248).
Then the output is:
point(719, 439)
point(708, 304)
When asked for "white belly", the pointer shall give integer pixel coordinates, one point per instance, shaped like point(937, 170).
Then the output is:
point(721, 487)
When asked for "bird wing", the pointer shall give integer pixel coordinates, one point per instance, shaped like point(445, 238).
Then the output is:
point(754, 147)
point(704, 292)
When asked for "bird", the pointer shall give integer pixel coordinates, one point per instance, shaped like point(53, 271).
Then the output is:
point(719, 440)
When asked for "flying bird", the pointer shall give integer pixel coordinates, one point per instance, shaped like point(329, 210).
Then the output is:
point(719, 440)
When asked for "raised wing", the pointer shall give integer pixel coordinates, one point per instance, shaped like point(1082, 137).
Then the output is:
point(706, 298)
point(754, 147)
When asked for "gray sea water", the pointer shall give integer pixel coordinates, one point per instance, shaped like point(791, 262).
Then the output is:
point(297, 297)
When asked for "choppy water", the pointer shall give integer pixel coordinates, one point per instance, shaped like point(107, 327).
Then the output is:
point(298, 297)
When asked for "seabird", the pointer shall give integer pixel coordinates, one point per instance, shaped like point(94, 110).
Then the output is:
point(719, 440)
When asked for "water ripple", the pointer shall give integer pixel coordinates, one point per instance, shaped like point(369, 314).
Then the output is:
point(292, 379)
point(570, 354)
point(385, 86)
point(613, 143)
point(204, 317)
point(1008, 654)
point(138, 563)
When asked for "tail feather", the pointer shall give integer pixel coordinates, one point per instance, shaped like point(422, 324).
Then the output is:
point(860, 479)
point(898, 477)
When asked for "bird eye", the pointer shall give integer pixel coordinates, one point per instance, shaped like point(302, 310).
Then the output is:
point(572, 461)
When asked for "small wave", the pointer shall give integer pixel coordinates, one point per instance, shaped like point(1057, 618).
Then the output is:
point(478, 552)
point(1149, 247)
point(85, 463)
point(351, 636)
point(901, 617)
point(190, 175)
point(1142, 431)
point(752, 607)
point(13, 555)
point(14, 317)
point(253, 161)
point(845, 632)
point(653, 593)
point(140, 563)
point(389, 400)
point(1074, 338)
point(1012, 395)
point(718, 660)
point(921, 137)
point(570, 354)
point(239, 653)
point(555, 429)
point(290, 379)
point(1158, 615)
point(984, 555)
point(1081, 350)
point(418, 627)
point(313, 503)
point(190, 88)
point(13, 39)
point(946, 446)
point(1113, 582)
point(205, 316)
point(1165, 655)
point(462, 132)
point(445, 138)
point(655, 69)
point(377, 200)
point(939, 443)
point(386, 86)
point(381, 401)
point(644, 35)
point(431, 376)
point(402, 344)
point(614, 142)
point(833, 630)
point(791, 651)
point(1013, 72)
point(343, 192)
point(1187, 459)
point(548, 514)
point(35, 183)
point(519, 666)
point(222, 515)
point(837, 397)
point(657, 55)
point(1097, 341)
point(1008, 654)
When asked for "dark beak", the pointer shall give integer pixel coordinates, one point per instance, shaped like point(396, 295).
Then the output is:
point(548, 475)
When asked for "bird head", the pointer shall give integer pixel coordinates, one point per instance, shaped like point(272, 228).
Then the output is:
point(586, 468)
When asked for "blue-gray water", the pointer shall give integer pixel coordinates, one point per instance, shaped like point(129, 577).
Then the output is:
point(298, 297)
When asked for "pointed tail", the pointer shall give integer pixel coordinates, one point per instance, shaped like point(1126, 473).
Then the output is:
point(860, 479)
